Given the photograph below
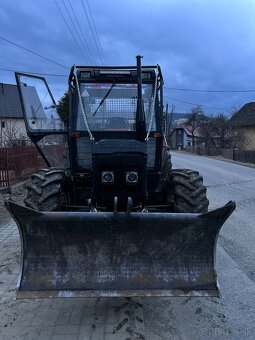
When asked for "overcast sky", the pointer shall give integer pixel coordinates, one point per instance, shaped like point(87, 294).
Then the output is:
point(200, 44)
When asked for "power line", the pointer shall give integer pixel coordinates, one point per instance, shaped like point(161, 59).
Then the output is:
point(77, 33)
point(209, 107)
point(37, 54)
point(91, 29)
point(93, 22)
point(62, 75)
point(36, 73)
point(69, 28)
point(210, 91)
point(88, 52)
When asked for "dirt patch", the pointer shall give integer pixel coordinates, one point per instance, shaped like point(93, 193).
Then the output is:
point(18, 193)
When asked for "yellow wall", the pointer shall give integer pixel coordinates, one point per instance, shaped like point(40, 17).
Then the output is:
point(249, 133)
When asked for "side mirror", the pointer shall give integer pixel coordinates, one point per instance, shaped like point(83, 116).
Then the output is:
point(49, 107)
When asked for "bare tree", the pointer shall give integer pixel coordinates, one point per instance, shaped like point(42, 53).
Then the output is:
point(227, 135)
point(222, 131)
point(169, 122)
point(13, 135)
point(216, 131)
point(193, 121)
point(206, 129)
point(234, 109)
point(239, 139)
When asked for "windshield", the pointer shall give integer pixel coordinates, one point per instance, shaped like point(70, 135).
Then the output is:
point(111, 106)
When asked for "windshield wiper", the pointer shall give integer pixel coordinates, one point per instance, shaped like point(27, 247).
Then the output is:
point(102, 101)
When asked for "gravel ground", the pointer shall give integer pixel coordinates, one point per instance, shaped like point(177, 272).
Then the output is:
point(231, 317)
point(18, 194)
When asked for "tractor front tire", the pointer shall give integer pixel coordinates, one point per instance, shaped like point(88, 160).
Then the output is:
point(45, 192)
point(186, 189)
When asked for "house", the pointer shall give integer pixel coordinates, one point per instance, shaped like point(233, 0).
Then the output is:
point(12, 126)
point(182, 136)
point(244, 121)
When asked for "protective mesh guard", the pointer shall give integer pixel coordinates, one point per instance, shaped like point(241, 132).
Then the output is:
point(104, 103)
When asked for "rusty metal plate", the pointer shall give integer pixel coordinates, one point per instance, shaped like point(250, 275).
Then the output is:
point(74, 254)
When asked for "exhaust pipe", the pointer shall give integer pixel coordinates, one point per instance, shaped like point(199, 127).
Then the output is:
point(140, 117)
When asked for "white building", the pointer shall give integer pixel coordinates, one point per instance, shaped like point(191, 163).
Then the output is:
point(12, 125)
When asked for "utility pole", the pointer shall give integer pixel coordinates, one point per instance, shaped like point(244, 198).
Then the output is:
point(169, 121)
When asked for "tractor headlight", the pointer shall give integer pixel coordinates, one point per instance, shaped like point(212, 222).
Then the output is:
point(132, 177)
point(107, 177)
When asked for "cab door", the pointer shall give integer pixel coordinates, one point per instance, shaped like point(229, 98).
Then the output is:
point(44, 124)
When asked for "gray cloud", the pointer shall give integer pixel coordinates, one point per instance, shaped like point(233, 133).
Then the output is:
point(199, 44)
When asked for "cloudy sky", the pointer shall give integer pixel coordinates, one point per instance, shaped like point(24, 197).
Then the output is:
point(200, 44)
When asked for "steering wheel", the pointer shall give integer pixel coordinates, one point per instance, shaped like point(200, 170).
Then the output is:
point(117, 123)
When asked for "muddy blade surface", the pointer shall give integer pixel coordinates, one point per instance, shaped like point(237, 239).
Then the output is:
point(91, 254)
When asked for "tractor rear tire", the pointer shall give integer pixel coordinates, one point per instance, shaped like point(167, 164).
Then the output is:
point(186, 189)
point(45, 192)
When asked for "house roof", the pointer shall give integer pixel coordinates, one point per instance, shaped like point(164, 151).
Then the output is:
point(10, 106)
point(245, 116)
point(187, 129)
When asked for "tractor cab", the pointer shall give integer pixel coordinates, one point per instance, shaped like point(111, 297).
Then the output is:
point(116, 133)
point(110, 138)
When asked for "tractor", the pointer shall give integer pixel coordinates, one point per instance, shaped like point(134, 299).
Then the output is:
point(109, 216)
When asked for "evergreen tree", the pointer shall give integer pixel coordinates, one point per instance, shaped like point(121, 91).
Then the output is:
point(63, 107)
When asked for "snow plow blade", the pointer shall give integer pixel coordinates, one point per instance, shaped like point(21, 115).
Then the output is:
point(88, 254)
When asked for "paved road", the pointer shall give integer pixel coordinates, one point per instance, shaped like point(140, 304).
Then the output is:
point(231, 317)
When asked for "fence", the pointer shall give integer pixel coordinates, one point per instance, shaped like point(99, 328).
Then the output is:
point(18, 164)
point(4, 174)
point(245, 156)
